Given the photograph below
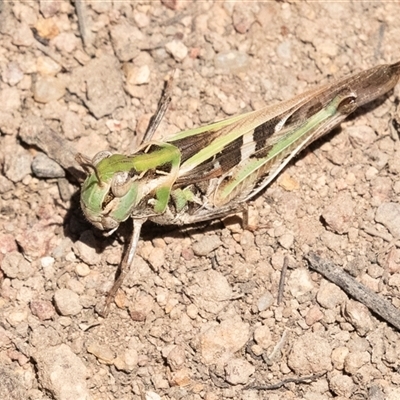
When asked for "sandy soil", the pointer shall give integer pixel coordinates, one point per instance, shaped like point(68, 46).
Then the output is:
point(198, 316)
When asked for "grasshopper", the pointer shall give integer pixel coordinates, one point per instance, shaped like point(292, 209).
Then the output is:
point(212, 171)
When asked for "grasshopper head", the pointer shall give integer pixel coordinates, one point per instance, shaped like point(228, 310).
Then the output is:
point(109, 191)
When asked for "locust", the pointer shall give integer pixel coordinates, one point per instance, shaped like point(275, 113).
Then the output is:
point(213, 171)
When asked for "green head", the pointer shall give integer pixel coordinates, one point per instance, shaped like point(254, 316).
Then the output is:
point(110, 190)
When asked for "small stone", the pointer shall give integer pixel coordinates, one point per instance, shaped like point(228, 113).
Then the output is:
point(156, 258)
point(49, 8)
point(177, 49)
point(265, 301)
point(5, 185)
point(263, 336)
point(48, 88)
point(45, 167)
point(17, 163)
point(342, 385)
point(62, 373)
point(72, 125)
point(339, 213)
point(102, 352)
point(149, 395)
point(359, 316)
point(82, 269)
point(43, 309)
point(176, 358)
point(313, 315)
point(66, 42)
point(300, 283)
point(22, 35)
point(310, 353)
point(238, 371)
point(361, 136)
point(286, 240)
point(85, 248)
point(126, 39)
point(223, 340)
point(355, 360)
point(12, 74)
point(180, 377)
point(244, 16)
point(47, 28)
point(14, 266)
point(206, 245)
point(329, 295)
point(338, 356)
point(136, 75)
point(210, 291)
point(388, 214)
point(10, 99)
point(67, 302)
point(231, 61)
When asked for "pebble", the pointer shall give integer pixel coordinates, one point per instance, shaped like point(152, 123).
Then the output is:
point(126, 40)
point(48, 88)
point(238, 371)
point(361, 136)
point(102, 79)
point(300, 283)
point(66, 42)
point(263, 336)
point(265, 301)
point(14, 266)
point(5, 184)
point(339, 213)
point(339, 355)
point(244, 16)
point(313, 315)
point(310, 353)
point(329, 295)
point(221, 341)
point(47, 66)
point(355, 360)
point(156, 258)
point(85, 248)
point(44, 167)
point(359, 316)
point(67, 302)
point(127, 361)
point(342, 385)
point(62, 373)
point(286, 240)
point(149, 395)
point(210, 291)
point(177, 49)
point(102, 352)
point(10, 99)
point(47, 28)
point(72, 125)
point(12, 74)
point(206, 245)
point(82, 269)
point(231, 61)
point(176, 358)
point(136, 75)
point(49, 8)
point(43, 309)
point(22, 35)
point(17, 163)
point(388, 214)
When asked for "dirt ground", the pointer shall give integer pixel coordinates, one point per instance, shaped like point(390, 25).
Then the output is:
point(198, 317)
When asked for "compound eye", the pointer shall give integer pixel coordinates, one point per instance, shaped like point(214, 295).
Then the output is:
point(101, 156)
point(120, 184)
